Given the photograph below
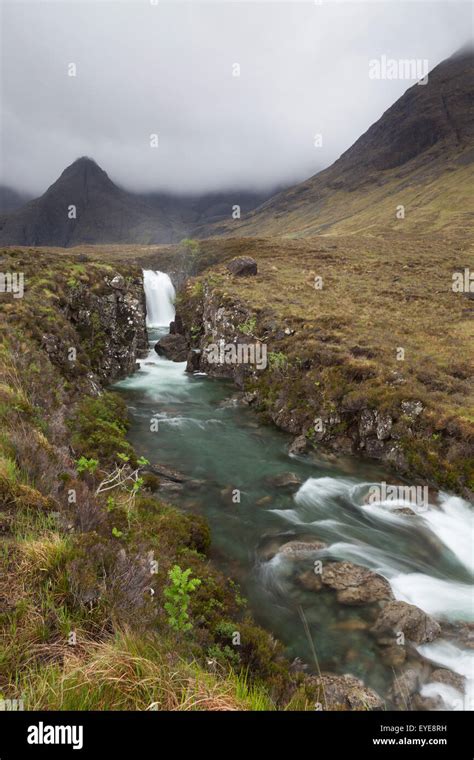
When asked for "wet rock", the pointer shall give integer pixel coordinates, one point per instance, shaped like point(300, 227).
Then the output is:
point(401, 617)
point(174, 347)
point(168, 473)
point(242, 266)
point(176, 327)
point(403, 511)
point(299, 548)
point(310, 581)
point(249, 397)
point(393, 655)
point(193, 360)
point(264, 501)
point(345, 693)
point(441, 675)
point(403, 687)
point(355, 584)
point(299, 445)
point(284, 480)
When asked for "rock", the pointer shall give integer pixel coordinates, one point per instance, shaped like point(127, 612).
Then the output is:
point(412, 409)
point(355, 584)
point(393, 655)
point(162, 471)
point(174, 347)
point(284, 480)
point(403, 511)
point(264, 501)
point(242, 266)
point(401, 617)
point(118, 282)
point(345, 693)
point(299, 445)
point(299, 548)
point(176, 327)
point(403, 687)
point(249, 397)
point(374, 448)
point(193, 363)
point(383, 426)
point(310, 581)
point(441, 675)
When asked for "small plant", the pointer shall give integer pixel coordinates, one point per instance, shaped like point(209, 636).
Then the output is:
point(277, 360)
point(142, 461)
point(248, 327)
point(178, 595)
point(87, 465)
point(116, 532)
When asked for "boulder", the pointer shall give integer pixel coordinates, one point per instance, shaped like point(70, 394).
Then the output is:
point(441, 675)
point(242, 266)
point(401, 617)
point(174, 347)
point(355, 584)
point(345, 693)
point(193, 363)
point(284, 480)
point(299, 548)
point(299, 445)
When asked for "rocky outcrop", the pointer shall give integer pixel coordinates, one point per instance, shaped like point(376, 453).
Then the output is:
point(345, 693)
point(342, 419)
point(173, 346)
point(355, 584)
point(402, 618)
point(106, 315)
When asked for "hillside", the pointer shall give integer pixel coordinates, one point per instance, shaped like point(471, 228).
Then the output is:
point(419, 154)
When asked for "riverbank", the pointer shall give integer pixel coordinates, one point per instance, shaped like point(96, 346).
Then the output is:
point(368, 348)
point(90, 616)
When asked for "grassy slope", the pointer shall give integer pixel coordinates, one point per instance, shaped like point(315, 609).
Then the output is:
point(378, 295)
point(437, 202)
point(83, 567)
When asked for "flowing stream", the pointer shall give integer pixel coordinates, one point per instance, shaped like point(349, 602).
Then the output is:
point(206, 435)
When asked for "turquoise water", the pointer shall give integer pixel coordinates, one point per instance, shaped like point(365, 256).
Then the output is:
point(220, 446)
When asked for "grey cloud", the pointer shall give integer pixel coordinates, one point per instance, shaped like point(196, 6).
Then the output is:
point(167, 69)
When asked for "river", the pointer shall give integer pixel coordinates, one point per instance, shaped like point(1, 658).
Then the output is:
point(232, 461)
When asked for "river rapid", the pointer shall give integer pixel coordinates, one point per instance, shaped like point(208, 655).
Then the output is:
point(232, 461)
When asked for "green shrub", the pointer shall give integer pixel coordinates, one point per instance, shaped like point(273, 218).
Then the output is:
point(178, 595)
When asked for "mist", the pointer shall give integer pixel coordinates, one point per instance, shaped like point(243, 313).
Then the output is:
point(169, 70)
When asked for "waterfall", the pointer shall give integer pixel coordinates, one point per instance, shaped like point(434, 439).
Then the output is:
point(160, 295)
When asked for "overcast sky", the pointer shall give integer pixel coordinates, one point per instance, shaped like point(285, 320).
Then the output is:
point(167, 69)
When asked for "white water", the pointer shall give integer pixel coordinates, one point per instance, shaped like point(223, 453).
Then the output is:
point(435, 575)
point(459, 660)
point(426, 557)
point(160, 295)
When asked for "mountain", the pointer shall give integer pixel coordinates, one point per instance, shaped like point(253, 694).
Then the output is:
point(418, 155)
point(106, 213)
point(103, 213)
point(11, 199)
